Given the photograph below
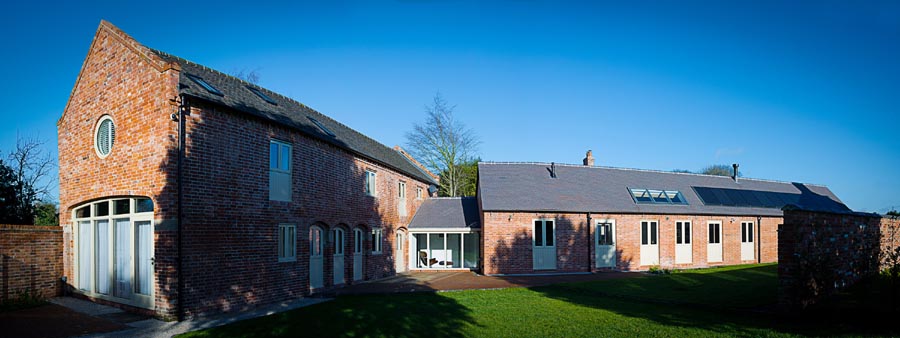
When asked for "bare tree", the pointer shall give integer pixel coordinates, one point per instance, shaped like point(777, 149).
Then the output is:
point(34, 167)
point(444, 145)
point(251, 76)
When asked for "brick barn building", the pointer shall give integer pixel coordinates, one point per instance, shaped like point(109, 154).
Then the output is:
point(186, 191)
point(270, 199)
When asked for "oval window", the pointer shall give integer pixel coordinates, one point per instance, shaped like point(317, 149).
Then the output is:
point(105, 136)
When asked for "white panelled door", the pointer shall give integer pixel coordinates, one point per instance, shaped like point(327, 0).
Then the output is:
point(605, 237)
point(747, 241)
point(357, 254)
point(316, 278)
point(649, 243)
point(338, 256)
point(544, 246)
point(684, 251)
point(714, 243)
point(399, 254)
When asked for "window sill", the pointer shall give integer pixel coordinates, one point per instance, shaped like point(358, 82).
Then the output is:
point(287, 260)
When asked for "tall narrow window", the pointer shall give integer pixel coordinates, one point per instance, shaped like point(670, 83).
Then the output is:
point(376, 240)
point(746, 232)
point(287, 242)
point(279, 171)
point(605, 234)
point(370, 184)
point(715, 235)
point(682, 232)
point(543, 232)
point(401, 196)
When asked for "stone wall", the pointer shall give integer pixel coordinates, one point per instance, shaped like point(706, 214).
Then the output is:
point(821, 253)
point(30, 261)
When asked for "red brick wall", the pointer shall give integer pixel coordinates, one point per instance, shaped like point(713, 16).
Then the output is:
point(508, 244)
point(30, 260)
point(124, 80)
point(231, 225)
point(820, 253)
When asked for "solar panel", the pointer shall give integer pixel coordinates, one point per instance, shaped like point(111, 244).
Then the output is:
point(745, 198)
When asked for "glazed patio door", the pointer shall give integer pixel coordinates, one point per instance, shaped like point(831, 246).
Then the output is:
point(316, 278)
point(544, 246)
point(747, 241)
point(683, 246)
point(357, 254)
point(605, 237)
point(714, 246)
point(338, 256)
point(649, 243)
point(399, 252)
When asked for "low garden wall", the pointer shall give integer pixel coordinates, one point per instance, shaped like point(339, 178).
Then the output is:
point(30, 261)
point(821, 253)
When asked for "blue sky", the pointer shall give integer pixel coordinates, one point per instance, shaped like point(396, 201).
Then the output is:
point(804, 91)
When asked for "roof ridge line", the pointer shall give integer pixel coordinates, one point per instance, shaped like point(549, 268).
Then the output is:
point(292, 100)
point(651, 171)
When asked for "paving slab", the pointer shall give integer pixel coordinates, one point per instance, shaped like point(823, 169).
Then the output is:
point(424, 281)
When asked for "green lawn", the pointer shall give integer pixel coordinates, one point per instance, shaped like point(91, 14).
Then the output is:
point(713, 302)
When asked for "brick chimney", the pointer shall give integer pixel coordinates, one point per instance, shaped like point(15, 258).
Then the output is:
point(589, 159)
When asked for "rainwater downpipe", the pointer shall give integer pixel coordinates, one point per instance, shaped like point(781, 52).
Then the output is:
point(758, 239)
point(179, 179)
point(589, 244)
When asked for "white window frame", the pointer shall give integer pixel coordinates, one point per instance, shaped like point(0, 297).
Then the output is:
point(749, 234)
point(401, 199)
point(287, 243)
point(418, 193)
point(371, 185)
point(277, 170)
point(133, 217)
point(377, 240)
point(543, 232)
point(111, 136)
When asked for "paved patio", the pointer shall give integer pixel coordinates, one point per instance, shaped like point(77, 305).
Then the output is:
point(423, 281)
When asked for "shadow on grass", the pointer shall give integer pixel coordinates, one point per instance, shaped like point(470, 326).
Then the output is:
point(732, 300)
point(396, 315)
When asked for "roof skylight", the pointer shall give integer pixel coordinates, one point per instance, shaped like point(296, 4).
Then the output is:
point(651, 196)
point(205, 85)
point(321, 126)
point(262, 95)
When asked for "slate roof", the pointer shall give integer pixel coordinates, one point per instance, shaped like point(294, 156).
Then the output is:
point(529, 187)
point(287, 112)
point(446, 212)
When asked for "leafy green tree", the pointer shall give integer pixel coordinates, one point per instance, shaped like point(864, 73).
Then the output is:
point(719, 170)
point(16, 198)
point(893, 213)
point(46, 213)
point(468, 186)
